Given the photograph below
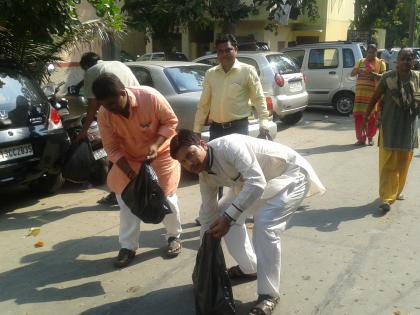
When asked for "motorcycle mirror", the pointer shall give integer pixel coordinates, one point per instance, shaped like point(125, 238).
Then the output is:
point(50, 69)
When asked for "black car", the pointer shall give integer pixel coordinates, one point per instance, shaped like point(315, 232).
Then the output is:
point(32, 139)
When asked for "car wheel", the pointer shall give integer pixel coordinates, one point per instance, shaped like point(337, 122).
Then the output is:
point(292, 118)
point(343, 103)
point(47, 184)
point(99, 172)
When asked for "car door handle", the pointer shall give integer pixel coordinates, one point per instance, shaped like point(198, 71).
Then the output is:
point(332, 72)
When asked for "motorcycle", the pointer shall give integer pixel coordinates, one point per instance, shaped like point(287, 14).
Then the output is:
point(84, 162)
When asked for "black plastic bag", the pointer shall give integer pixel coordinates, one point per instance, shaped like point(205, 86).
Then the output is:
point(78, 162)
point(145, 198)
point(212, 287)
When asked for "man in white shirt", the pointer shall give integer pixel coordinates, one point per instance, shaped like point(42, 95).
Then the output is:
point(268, 180)
point(93, 67)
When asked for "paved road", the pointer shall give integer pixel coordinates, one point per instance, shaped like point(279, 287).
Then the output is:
point(340, 256)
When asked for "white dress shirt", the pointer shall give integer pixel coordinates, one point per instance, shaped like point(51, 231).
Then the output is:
point(256, 169)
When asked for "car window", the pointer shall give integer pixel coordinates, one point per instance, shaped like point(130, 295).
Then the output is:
point(20, 99)
point(363, 50)
point(297, 56)
point(186, 78)
point(348, 58)
point(209, 61)
point(251, 62)
point(142, 75)
point(326, 58)
point(282, 64)
point(144, 57)
point(177, 57)
point(159, 56)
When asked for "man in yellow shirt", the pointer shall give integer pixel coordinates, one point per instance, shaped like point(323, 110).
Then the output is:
point(228, 89)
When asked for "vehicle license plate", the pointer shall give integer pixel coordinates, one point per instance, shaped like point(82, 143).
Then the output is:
point(295, 86)
point(99, 154)
point(11, 153)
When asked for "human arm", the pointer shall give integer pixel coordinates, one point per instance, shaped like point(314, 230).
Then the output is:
point(111, 145)
point(356, 70)
point(256, 95)
point(379, 91)
point(90, 117)
point(167, 123)
point(239, 157)
point(203, 107)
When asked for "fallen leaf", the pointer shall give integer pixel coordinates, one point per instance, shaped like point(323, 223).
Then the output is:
point(39, 244)
point(33, 232)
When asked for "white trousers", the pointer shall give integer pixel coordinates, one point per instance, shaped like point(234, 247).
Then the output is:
point(130, 224)
point(263, 254)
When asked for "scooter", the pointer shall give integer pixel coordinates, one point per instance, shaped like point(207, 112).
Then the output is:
point(85, 162)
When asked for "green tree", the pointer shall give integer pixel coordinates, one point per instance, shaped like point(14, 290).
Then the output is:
point(36, 32)
point(163, 19)
point(392, 15)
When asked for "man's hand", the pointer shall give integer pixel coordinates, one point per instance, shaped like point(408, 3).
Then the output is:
point(220, 227)
point(83, 135)
point(153, 150)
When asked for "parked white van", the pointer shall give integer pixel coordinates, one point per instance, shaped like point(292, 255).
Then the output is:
point(327, 67)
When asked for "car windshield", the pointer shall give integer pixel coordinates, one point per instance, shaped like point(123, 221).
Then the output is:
point(20, 99)
point(282, 64)
point(186, 78)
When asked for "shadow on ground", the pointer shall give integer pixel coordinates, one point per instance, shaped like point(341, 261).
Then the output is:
point(37, 218)
point(63, 263)
point(332, 148)
point(17, 197)
point(168, 301)
point(329, 220)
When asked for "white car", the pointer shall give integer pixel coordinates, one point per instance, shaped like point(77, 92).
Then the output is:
point(282, 82)
point(181, 83)
point(328, 67)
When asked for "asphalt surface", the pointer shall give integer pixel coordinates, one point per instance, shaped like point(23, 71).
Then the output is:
point(340, 255)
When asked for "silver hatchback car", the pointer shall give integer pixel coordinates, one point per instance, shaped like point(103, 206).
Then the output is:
point(181, 84)
point(283, 84)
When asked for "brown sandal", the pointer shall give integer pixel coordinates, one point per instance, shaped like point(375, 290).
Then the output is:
point(235, 273)
point(265, 305)
point(174, 247)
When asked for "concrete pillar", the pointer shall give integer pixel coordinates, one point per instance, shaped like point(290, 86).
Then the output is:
point(185, 42)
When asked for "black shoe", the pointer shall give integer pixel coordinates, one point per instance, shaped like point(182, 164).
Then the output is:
point(385, 207)
point(108, 200)
point(125, 256)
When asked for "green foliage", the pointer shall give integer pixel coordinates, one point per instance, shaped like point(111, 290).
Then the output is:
point(34, 32)
point(161, 19)
point(299, 7)
point(392, 15)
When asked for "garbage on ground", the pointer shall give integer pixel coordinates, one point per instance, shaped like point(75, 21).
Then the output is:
point(34, 231)
point(39, 244)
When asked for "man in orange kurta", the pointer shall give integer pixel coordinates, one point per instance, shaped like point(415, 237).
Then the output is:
point(136, 124)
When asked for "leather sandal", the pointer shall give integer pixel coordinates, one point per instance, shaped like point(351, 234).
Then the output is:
point(265, 305)
point(174, 247)
point(235, 273)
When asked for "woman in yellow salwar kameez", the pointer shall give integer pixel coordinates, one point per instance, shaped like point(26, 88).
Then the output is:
point(369, 71)
point(398, 132)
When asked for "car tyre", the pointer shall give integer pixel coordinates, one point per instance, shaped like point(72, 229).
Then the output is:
point(343, 103)
point(47, 184)
point(292, 119)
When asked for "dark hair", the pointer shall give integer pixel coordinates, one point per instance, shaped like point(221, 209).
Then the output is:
point(184, 138)
point(407, 51)
point(88, 60)
point(107, 85)
point(372, 46)
point(224, 38)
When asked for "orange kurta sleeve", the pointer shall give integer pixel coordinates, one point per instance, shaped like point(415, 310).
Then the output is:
point(166, 116)
point(109, 137)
